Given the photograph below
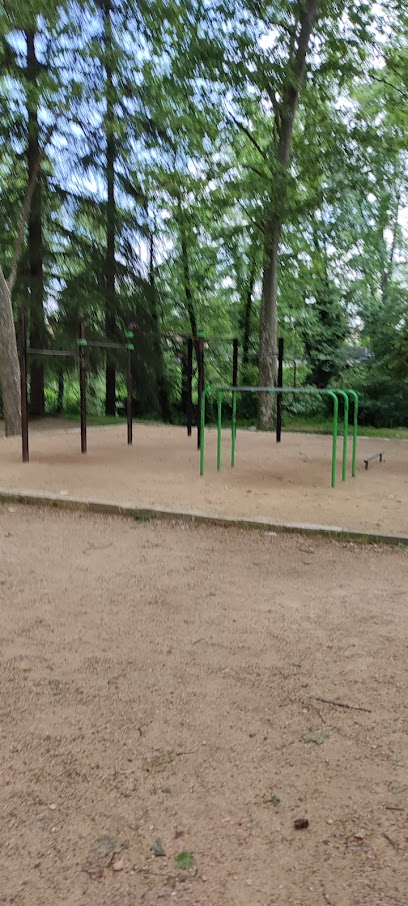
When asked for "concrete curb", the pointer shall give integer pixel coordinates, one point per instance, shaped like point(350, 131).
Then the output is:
point(147, 514)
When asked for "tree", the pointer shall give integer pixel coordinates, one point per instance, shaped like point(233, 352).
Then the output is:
point(9, 364)
point(35, 230)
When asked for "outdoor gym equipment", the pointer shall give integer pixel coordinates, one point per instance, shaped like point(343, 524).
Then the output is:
point(334, 394)
point(82, 345)
point(378, 456)
point(198, 343)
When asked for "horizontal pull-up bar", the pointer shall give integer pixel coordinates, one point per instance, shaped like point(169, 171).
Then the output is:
point(66, 353)
point(100, 344)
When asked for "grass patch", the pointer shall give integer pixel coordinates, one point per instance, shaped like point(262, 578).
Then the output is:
point(324, 426)
point(292, 424)
point(184, 860)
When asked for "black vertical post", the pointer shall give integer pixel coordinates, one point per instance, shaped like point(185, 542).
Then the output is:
point(294, 372)
point(23, 386)
point(130, 348)
point(189, 385)
point(82, 383)
point(200, 342)
point(279, 395)
point(235, 344)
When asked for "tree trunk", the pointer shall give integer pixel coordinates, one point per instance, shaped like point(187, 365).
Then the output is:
point(188, 292)
point(110, 262)
point(60, 395)
point(35, 237)
point(268, 329)
point(162, 385)
point(248, 312)
point(284, 121)
point(9, 364)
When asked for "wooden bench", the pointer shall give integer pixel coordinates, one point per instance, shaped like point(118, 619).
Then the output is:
point(374, 456)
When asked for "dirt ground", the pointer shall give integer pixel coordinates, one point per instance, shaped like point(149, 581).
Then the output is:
point(160, 681)
point(286, 483)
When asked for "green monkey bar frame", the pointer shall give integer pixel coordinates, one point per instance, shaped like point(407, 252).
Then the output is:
point(334, 395)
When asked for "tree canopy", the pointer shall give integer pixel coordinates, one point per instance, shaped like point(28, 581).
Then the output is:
point(236, 166)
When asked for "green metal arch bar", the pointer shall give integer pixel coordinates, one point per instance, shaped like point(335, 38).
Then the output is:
point(345, 394)
point(354, 396)
point(234, 390)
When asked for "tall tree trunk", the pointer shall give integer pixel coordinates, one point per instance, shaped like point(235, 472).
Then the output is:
point(388, 262)
point(284, 122)
point(162, 384)
point(188, 291)
point(35, 236)
point(110, 262)
point(9, 364)
point(60, 394)
point(268, 326)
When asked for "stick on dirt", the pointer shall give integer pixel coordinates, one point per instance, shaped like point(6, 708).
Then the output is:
point(328, 701)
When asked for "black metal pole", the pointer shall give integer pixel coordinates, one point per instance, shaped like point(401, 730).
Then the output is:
point(279, 395)
point(235, 346)
point(129, 399)
point(294, 372)
point(82, 383)
point(200, 341)
point(23, 386)
point(189, 385)
point(130, 347)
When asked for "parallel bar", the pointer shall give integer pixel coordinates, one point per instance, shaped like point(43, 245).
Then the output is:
point(100, 344)
point(310, 391)
point(279, 395)
point(354, 396)
point(233, 427)
point(201, 416)
point(23, 386)
point(82, 386)
point(200, 358)
point(187, 336)
point(129, 397)
point(190, 386)
point(343, 393)
point(334, 445)
point(219, 430)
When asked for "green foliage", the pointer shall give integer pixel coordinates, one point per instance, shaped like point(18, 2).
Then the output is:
point(194, 105)
point(324, 334)
point(184, 860)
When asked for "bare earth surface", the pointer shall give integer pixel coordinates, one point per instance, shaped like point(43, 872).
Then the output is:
point(159, 681)
point(287, 483)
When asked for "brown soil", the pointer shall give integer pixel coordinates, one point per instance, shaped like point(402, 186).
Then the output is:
point(287, 483)
point(159, 682)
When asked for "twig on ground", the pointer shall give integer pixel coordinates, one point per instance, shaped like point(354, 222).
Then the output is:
point(329, 701)
point(390, 841)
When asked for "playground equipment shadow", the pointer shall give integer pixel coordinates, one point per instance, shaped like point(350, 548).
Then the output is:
point(286, 484)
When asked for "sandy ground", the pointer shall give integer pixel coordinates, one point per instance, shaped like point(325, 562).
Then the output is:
point(160, 681)
point(288, 483)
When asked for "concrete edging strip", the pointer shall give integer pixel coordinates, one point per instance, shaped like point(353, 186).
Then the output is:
point(145, 514)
